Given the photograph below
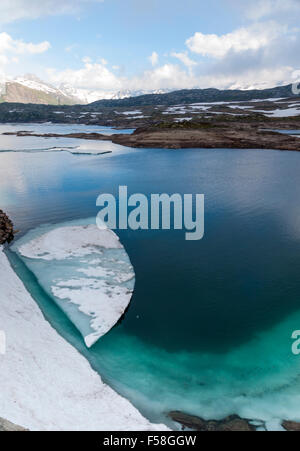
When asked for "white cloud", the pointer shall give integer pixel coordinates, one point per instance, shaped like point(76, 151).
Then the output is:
point(11, 49)
point(255, 78)
point(184, 58)
point(23, 47)
point(11, 10)
point(252, 38)
point(98, 78)
point(9, 45)
point(154, 59)
point(264, 8)
point(168, 76)
point(92, 76)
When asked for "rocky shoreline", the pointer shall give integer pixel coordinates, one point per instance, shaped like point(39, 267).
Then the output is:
point(89, 136)
point(6, 229)
point(210, 134)
point(232, 423)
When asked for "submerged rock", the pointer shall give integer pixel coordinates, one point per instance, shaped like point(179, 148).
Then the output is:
point(6, 228)
point(230, 423)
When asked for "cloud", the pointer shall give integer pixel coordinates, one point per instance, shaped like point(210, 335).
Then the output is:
point(265, 8)
point(249, 72)
point(184, 58)
point(93, 76)
point(255, 78)
point(262, 55)
point(154, 59)
point(11, 10)
point(11, 49)
point(98, 77)
point(168, 76)
point(254, 37)
point(9, 45)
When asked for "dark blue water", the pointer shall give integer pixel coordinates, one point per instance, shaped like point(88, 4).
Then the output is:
point(209, 327)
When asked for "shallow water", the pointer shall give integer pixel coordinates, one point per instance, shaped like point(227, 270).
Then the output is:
point(209, 327)
point(36, 144)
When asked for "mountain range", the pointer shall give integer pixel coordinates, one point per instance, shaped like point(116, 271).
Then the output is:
point(190, 96)
point(31, 89)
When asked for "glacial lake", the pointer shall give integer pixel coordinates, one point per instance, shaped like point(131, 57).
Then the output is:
point(209, 327)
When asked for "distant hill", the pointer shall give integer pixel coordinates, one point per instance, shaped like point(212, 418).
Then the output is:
point(186, 96)
point(30, 89)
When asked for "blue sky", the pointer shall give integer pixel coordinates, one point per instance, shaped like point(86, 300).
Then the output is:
point(151, 44)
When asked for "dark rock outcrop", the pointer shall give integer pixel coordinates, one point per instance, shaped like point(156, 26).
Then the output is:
point(229, 424)
point(291, 426)
point(89, 136)
point(237, 135)
point(6, 229)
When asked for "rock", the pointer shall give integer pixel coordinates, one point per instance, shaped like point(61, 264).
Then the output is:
point(230, 423)
point(238, 135)
point(6, 229)
point(7, 426)
point(89, 136)
point(291, 426)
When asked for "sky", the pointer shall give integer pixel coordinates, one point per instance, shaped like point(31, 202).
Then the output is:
point(115, 45)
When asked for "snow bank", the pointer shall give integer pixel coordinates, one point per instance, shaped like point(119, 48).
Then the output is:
point(45, 383)
point(85, 270)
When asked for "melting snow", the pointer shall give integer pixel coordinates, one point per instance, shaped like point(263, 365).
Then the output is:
point(45, 383)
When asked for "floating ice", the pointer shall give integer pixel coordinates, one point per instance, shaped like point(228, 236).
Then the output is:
point(85, 270)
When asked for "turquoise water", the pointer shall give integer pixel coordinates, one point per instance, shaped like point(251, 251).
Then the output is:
point(208, 330)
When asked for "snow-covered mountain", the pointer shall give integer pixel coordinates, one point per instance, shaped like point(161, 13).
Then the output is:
point(86, 96)
point(31, 89)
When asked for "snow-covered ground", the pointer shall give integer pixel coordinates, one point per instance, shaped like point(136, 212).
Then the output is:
point(85, 270)
point(130, 113)
point(198, 108)
point(183, 119)
point(45, 383)
point(137, 117)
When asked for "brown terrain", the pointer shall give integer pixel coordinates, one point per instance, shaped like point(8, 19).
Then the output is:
point(241, 134)
point(225, 136)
